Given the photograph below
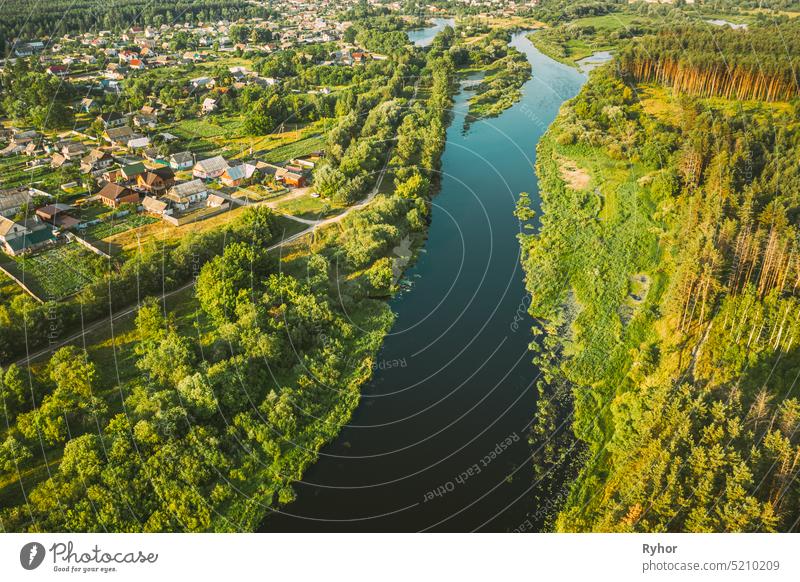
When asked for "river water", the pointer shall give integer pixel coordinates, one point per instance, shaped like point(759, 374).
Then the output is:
point(424, 36)
point(438, 441)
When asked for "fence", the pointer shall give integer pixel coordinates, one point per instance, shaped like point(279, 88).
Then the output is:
point(88, 245)
point(19, 282)
point(195, 216)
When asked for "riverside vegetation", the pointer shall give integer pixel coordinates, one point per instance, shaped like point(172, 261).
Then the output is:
point(665, 281)
point(200, 416)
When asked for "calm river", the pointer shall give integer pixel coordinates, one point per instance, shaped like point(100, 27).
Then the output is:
point(449, 407)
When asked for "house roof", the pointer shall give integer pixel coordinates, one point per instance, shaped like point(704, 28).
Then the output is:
point(14, 198)
point(73, 147)
point(113, 116)
point(95, 156)
point(215, 164)
point(132, 170)
point(139, 142)
point(154, 204)
point(182, 157)
point(53, 210)
point(6, 224)
point(119, 133)
point(164, 172)
point(112, 191)
point(152, 176)
point(267, 168)
point(30, 239)
point(180, 191)
point(241, 172)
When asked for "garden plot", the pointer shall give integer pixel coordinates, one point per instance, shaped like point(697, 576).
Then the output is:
point(58, 272)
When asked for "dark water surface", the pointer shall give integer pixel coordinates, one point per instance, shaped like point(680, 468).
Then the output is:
point(442, 418)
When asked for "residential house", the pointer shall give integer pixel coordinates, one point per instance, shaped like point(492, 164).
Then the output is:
point(114, 195)
point(113, 119)
point(146, 117)
point(32, 149)
point(22, 142)
point(153, 155)
point(120, 135)
point(181, 161)
point(58, 161)
point(96, 160)
point(290, 178)
point(110, 85)
point(142, 120)
point(13, 199)
point(138, 142)
point(209, 105)
point(156, 181)
point(202, 83)
point(216, 201)
point(184, 195)
point(58, 215)
point(73, 150)
point(58, 70)
point(17, 238)
point(237, 175)
point(26, 49)
point(210, 168)
point(113, 175)
point(155, 206)
point(132, 171)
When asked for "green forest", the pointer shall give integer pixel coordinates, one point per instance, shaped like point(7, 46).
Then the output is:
point(58, 17)
point(664, 277)
point(764, 68)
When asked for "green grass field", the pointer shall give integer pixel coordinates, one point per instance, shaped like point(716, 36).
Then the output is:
point(309, 208)
point(117, 225)
point(301, 147)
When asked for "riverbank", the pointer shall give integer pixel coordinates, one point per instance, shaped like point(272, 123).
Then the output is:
point(654, 357)
point(405, 461)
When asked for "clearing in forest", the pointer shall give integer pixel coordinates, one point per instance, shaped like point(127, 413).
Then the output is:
point(574, 177)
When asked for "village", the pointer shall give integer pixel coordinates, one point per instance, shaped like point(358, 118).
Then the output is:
point(69, 195)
